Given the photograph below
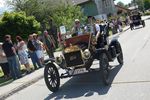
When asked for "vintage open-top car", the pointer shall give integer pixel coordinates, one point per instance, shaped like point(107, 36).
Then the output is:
point(136, 20)
point(77, 57)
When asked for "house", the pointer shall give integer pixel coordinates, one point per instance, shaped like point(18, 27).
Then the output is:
point(98, 8)
point(122, 10)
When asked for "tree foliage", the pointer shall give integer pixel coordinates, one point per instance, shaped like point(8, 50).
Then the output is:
point(121, 4)
point(60, 11)
point(142, 4)
point(17, 23)
point(66, 15)
point(147, 4)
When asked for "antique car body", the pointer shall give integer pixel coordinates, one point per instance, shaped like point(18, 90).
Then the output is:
point(77, 57)
point(136, 20)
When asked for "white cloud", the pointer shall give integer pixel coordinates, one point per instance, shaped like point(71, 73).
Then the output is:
point(3, 6)
point(2, 3)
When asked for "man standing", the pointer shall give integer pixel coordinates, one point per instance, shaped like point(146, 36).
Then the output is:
point(49, 43)
point(32, 52)
point(11, 57)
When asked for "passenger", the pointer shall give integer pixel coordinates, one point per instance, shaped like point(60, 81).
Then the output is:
point(77, 29)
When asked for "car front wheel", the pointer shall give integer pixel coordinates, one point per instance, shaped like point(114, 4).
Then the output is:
point(51, 77)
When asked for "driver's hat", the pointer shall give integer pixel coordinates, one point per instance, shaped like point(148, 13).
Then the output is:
point(77, 20)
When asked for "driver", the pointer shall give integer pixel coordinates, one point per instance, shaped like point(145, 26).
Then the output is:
point(93, 27)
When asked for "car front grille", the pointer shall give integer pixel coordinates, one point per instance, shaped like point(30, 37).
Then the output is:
point(73, 59)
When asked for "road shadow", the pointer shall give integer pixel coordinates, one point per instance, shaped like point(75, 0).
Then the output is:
point(84, 85)
point(139, 27)
point(147, 18)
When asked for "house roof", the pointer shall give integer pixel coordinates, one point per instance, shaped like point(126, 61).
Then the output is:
point(123, 8)
point(133, 7)
point(77, 2)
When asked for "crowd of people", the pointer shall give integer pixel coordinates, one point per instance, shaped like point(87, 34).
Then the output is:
point(13, 56)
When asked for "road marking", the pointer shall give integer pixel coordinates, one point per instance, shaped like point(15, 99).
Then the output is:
point(131, 82)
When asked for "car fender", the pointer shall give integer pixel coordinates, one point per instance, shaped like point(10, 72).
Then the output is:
point(52, 61)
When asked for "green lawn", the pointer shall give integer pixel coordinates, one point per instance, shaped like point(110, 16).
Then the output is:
point(1, 72)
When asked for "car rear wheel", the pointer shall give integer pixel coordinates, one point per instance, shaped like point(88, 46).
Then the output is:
point(104, 64)
point(120, 56)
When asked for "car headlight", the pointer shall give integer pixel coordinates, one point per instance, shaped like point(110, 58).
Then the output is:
point(59, 60)
point(86, 54)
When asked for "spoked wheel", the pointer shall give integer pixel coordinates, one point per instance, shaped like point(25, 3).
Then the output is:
point(51, 77)
point(120, 56)
point(104, 64)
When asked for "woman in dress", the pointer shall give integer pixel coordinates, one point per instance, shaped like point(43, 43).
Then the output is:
point(22, 53)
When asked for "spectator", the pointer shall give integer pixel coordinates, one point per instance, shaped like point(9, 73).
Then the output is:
point(32, 52)
point(39, 48)
point(115, 26)
point(119, 23)
point(4, 63)
point(49, 44)
point(11, 57)
point(22, 52)
point(53, 31)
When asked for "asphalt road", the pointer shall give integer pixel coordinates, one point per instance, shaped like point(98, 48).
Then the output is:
point(129, 82)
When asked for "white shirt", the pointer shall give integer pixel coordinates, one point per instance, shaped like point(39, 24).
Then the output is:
point(97, 27)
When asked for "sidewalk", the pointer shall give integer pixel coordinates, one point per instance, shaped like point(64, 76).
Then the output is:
point(19, 84)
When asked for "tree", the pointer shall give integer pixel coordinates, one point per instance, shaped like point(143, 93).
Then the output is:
point(45, 11)
point(140, 4)
point(65, 15)
point(147, 4)
point(121, 4)
point(17, 23)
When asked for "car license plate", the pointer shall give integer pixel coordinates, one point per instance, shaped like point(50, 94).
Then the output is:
point(80, 71)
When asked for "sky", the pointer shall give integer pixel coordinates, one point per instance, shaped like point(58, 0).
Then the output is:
point(3, 6)
point(124, 1)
